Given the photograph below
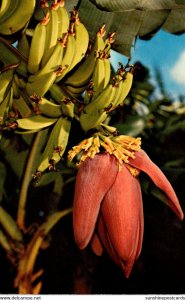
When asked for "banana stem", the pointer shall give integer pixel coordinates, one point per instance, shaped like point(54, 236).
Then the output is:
point(26, 181)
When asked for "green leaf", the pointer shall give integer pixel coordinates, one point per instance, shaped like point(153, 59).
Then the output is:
point(174, 127)
point(175, 21)
point(132, 18)
point(133, 126)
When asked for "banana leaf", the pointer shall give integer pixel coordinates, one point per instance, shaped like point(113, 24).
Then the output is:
point(131, 19)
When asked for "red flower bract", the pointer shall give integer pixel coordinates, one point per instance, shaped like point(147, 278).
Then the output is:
point(108, 210)
point(94, 179)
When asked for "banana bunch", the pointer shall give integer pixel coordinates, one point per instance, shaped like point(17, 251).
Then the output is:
point(78, 81)
point(56, 145)
point(56, 48)
point(56, 75)
point(15, 14)
point(102, 70)
point(109, 98)
point(63, 99)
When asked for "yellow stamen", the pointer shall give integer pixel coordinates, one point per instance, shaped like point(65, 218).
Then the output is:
point(122, 147)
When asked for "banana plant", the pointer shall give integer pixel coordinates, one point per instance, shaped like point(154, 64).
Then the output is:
point(55, 73)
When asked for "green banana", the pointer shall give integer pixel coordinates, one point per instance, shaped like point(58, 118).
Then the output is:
point(7, 9)
point(63, 21)
point(57, 94)
point(107, 67)
point(5, 82)
point(10, 55)
point(66, 103)
point(69, 53)
point(41, 82)
point(37, 48)
point(56, 144)
point(53, 64)
point(89, 121)
point(98, 77)
point(22, 107)
point(47, 108)
point(51, 37)
point(35, 122)
point(83, 74)
point(4, 7)
point(102, 72)
point(95, 112)
point(125, 84)
point(117, 85)
point(81, 39)
point(5, 106)
point(48, 151)
point(75, 91)
point(21, 14)
point(61, 140)
point(9, 225)
point(102, 101)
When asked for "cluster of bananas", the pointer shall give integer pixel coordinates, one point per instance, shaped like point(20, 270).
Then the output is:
point(15, 14)
point(56, 74)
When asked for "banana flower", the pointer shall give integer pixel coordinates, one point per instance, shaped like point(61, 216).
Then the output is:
point(108, 209)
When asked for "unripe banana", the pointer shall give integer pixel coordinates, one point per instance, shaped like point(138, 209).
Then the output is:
point(102, 101)
point(35, 122)
point(63, 21)
point(125, 84)
point(107, 67)
point(61, 140)
point(56, 93)
point(75, 91)
point(37, 48)
point(81, 39)
point(48, 151)
point(41, 82)
point(5, 106)
point(51, 37)
point(89, 121)
point(61, 98)
point(68, 56)
point(98, 77)
point(84, 72)
point(54, 62)
point(7, 9)
point(9, 225)
point(56, 144)
point(5, 82)
point(47, 108)
point(23, 10)
point(21, 106)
